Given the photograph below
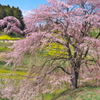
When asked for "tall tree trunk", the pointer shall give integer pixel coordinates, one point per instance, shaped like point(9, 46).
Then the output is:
point(74, 75)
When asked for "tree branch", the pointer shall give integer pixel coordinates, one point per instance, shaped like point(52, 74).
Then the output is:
point(64, 70)
point(41, 77)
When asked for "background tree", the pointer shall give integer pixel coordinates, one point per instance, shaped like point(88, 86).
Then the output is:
point(12, 11)
point(73, 20)
point(11, 24)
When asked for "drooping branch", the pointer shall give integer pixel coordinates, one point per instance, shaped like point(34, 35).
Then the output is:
point(52, 70)
point(64, 70)
point(57, 68)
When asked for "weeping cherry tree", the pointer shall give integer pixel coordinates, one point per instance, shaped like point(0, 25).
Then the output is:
point(67, 23)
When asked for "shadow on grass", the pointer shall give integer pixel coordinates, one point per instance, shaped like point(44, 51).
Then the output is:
point(72, 93)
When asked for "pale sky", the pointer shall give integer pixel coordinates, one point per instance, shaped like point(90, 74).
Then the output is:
point(24, 5)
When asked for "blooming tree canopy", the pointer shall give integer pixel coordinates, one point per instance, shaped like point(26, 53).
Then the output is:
point(72, 20)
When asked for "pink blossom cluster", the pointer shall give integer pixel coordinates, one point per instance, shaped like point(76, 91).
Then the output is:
point(11, 24)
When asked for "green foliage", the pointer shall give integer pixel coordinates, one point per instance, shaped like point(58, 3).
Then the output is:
point(18, 14)
point(8, 10)
point(2, 13)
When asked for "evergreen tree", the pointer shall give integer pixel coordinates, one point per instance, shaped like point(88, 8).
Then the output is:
point(18, 14)
point(2, 12)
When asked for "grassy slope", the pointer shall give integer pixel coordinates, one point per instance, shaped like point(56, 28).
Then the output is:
point(82, 93)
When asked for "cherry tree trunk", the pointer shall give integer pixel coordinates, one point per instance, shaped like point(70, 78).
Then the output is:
point(74, 75)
